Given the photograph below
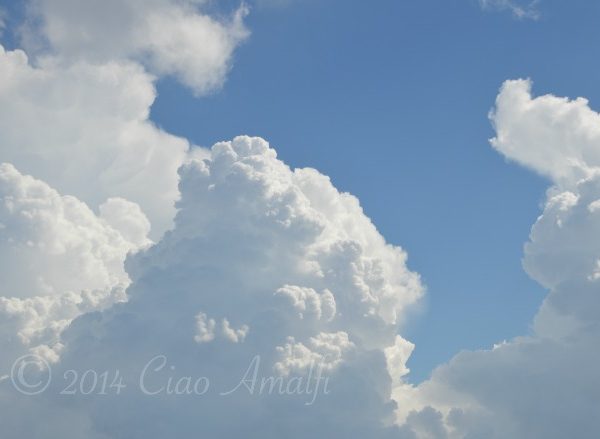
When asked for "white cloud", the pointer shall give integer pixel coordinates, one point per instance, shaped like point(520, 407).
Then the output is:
point(397, 356)
point(232, 334)
point(325, 350)
point(556, 137)
point(308, 302)
point(57, 260)
point(128, 219)
point(519, 8)
point(543, 384)
point(170, 37)
point(262, 260)
point(76, 115)
point(205, 329)
point(594, 206)
point(84, 129)
point(75, 112)
point(53, 244)
point(247, 227)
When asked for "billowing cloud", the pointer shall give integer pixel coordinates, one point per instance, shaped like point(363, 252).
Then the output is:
point(74, 110)
point(267, 267)
point(543, 384)
point(75, 115)
point(264, 273)
point(264, 265)
point(170, 37)
point(71, 246)
point(58, 259)
point(556, 137)
point(84, 129)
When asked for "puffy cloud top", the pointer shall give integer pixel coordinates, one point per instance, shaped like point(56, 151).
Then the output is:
point(171, 37)
point(556, 137)
point(53, 244)
point(543, 384)
point(266, 261)
point(58, 259)
point(84, 129)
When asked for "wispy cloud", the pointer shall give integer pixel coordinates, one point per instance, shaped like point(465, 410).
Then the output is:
point(2, 20)
point(519, 9)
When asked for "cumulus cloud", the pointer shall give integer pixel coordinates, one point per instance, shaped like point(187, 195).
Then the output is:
point(308, 302)
point(543, 384)
point(262, 262)
point(520, 9)
point(58, 259)
point(263, 270)
point(554, 136)
point(73, 248)
point(232, 334)
point(326, 350)
point(170, 37)
point(75, 105)
point(266, 266)
point(84, 129)
point(74, 113)
point(397, 356)
point(205, 328)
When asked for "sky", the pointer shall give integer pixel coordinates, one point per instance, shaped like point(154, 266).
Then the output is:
point(466, 253)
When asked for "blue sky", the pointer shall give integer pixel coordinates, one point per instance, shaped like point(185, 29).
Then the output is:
point(391, 102)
